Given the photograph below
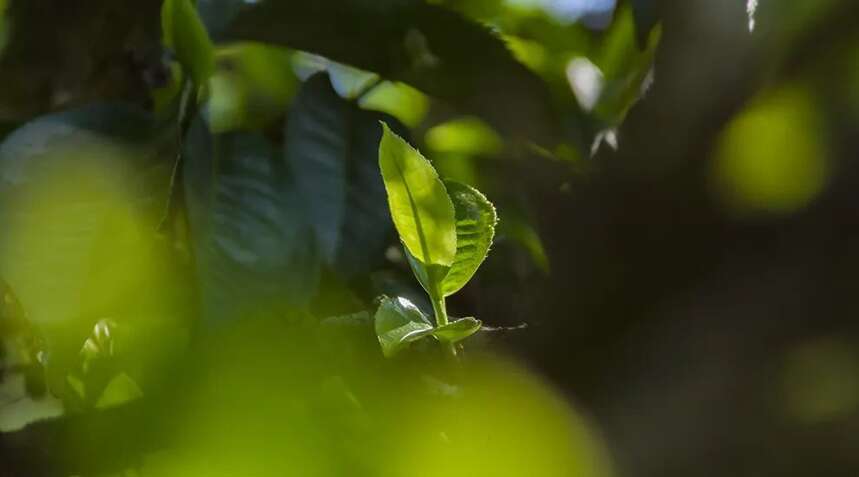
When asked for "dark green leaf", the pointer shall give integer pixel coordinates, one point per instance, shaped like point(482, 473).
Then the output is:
point(522, 231)
point(253, 248)
point(457, 330)
point(420, 207)
point(185, 33)
point(332, 149)
point(429, 47)
point(475, 228)
point(399, 322)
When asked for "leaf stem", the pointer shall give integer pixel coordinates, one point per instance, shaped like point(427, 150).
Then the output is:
point(440, 310)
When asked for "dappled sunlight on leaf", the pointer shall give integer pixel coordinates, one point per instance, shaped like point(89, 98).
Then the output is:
point(251, 87)
point(467, 135)
point(399, 100)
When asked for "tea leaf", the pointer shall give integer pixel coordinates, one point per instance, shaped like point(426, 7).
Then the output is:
point(457, 330)
point(475, 228)
point(420, 207)
point(399, 322)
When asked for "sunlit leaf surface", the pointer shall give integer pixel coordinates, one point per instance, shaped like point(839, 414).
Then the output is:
point(420, 207)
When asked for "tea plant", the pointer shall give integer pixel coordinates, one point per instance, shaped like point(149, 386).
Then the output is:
point(446, 229)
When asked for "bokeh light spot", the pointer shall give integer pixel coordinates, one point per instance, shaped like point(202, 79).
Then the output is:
point(772, 157)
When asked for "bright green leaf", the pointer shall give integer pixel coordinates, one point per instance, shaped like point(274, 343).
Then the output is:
point(457, 330)
point(475, 228)
point(399, 322)
point(420, 207)
point(185, 33)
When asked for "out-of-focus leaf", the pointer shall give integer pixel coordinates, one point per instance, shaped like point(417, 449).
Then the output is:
point(166, 99)
point(22, 345)
point(100, 345)
point(465, 168)
point(475, 228)
point(253, 248)
point(183, 30)
point(464, 136)
point(332, 149)
point(81, 195)
point(431, 48)
point(13, 318)
point(646, 17)
point(251, 86)
point(399, 322)
point(457, 330)
point(347, 81)
point(399, 100)
point(67, 182)
point(119, 390)
point(520, 230)
point(420, 207)
point(352, 320)
point(626, 69)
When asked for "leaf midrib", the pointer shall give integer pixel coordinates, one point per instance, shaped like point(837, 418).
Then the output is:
point(418, 223)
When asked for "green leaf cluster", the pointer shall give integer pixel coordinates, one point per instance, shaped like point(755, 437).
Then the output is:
point(446, 229)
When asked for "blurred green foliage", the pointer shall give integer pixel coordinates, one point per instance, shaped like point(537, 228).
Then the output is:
point(200, 267)
point(773, 157)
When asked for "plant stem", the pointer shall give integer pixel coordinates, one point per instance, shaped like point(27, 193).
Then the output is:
point(440, 310)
